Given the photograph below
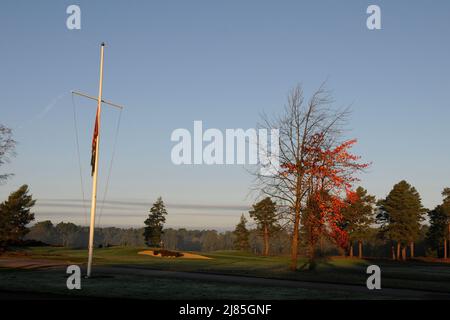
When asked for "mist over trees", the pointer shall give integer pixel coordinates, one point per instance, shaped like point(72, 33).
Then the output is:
point(73, 236)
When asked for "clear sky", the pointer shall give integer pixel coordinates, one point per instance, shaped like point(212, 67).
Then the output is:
point(222, 62)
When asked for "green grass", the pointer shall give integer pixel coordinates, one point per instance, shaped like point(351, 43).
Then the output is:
point(412, 274)
point(132, 286)
point(407, 275)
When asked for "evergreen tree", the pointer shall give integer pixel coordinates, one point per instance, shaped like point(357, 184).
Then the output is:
point(241, 234)
point(15, 214)
point(265, 214)
point(400, 215)
point(439, 231)
point(154, 224)
point(357, 218)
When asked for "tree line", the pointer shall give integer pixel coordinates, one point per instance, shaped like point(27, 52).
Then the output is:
point(395, 222)
point(390, 227)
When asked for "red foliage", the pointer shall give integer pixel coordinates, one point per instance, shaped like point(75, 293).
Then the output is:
point(331, 175)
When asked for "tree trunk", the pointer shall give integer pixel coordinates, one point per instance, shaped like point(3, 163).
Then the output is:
point(404, 253)
point(266, 241)
point(398, 250)
point(393, 251)
point(448, 236)
point(351, 250)
point(312, 256)
point(411, 246)
point(445, 248)
point(360, 249)
point(294, 244)
point(321, 245)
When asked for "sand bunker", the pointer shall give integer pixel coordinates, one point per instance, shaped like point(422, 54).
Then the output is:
point(186, 255)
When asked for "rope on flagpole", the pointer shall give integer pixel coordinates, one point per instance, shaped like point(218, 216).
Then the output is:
point(109, 169)
point(79, 158)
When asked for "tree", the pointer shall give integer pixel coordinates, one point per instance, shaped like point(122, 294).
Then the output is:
point(313, 226)
point(7, 146)
point(446, 207)
point(331, 173)
point(155, 223)
point(400, 215)
point(43, 231)
point(357, 219)
point(241, 235)
point(439, 231)
point(210, 241)
point(312, 162)
point(15, 214)
point(68, 233)
point(265, 214)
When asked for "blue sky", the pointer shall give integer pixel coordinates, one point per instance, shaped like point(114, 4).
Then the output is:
point(222, 62)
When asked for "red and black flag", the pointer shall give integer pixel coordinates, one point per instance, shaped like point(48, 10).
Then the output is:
point(94, 144)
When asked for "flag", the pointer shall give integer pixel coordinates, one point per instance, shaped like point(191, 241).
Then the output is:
point(94, 144)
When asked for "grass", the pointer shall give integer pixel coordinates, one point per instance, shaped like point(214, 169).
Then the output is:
point(132, 286)
point(407, 275)
point(411, 274)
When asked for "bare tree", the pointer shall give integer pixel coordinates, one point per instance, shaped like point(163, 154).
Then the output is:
point(299, 126)
point(7, 149)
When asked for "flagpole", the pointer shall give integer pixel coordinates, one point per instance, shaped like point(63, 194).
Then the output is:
point(95, 173)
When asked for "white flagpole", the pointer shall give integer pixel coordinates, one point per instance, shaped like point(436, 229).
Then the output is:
point(94, 180)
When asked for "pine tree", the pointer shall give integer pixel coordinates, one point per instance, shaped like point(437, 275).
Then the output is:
point(154, 224)
point(439, 231)
point(357, 219)
point(241, 235)
point(265, 214)
point(400, 215)
point(15, 214)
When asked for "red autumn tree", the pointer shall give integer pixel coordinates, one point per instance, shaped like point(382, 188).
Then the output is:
point(331, 172)
point(313, 169)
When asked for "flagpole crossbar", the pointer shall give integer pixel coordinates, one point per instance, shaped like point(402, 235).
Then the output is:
point(96, 99)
